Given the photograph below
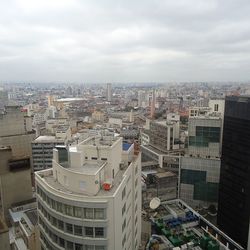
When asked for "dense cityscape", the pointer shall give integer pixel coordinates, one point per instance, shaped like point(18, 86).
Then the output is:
point(124, 125)
point(116, 166)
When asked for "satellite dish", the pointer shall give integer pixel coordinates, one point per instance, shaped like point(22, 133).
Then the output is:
point(155, 203)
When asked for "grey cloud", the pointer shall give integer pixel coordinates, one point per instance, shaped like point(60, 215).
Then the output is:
point(157, 40)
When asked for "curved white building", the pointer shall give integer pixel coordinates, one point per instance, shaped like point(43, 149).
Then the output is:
point(76, 212)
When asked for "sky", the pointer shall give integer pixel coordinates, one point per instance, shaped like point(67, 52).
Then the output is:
point(124, 41)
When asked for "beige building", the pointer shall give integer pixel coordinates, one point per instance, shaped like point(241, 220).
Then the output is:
point(91, 198)
point(98, 116)
point(15, 179)
point(52, 124)
point(16, 131)
point(4, 235)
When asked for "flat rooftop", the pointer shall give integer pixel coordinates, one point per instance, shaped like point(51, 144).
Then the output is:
point(88, 167)
point(47, 138)
point(100, 141)
point(47, 177)
point(177, 226)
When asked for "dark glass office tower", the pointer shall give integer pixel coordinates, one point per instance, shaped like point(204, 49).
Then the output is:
point(234, 188)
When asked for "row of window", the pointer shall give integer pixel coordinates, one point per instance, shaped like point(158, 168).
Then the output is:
point(93, 232)
point(74, 211)
point(68, 245)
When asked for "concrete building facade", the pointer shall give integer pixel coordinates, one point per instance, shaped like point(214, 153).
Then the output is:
point(91, 198)
point(200, 167)
point(42, 151)
point(16, 131)
point(15, 179)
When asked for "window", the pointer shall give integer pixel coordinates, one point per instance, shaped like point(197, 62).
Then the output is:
point(89, 247)
point(123, 193)
point(54, 221)
point(88, 213)
point(192, 176)
point(99, 248)
point(124, 225)
point(78, 212)
point(99, 213)
point(123, 209)
point(78, 230)
point(123, 240)
point(136, 208)
point(59, 207)
point(68, 210)
point(216, 107)
point(99, 232)
point(61, 242)
point(70, 245)
point(89, 232)
point(78, 246)
point(54, 238)
point(69, 228)
point(60, 225)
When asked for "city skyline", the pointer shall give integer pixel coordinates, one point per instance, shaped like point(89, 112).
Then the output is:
point(148, 41)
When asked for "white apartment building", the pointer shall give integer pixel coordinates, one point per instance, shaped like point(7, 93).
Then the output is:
point(91, 198)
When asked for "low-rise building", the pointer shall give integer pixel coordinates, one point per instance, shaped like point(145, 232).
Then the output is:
point(24, 232)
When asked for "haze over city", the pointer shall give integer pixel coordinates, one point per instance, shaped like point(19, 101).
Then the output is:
point(124, 41)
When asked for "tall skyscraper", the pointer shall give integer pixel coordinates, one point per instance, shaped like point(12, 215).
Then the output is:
point(109, 92)
point(91, 198)
point(234, 189)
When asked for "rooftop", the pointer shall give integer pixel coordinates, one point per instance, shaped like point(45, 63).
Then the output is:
point(88, 167)
point(62, 128)
point(100, 141)
point(47, 138)
point(70, 99)
point(177, 226)
point(46, 176)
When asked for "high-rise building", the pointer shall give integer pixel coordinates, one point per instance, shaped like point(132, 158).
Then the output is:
point(91, 198)
point(200, 167)
point(16, 131)
point(234, 189)
point(109, 92)
point(15, 180)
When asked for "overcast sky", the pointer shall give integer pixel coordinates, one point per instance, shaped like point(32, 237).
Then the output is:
point(124, 41)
